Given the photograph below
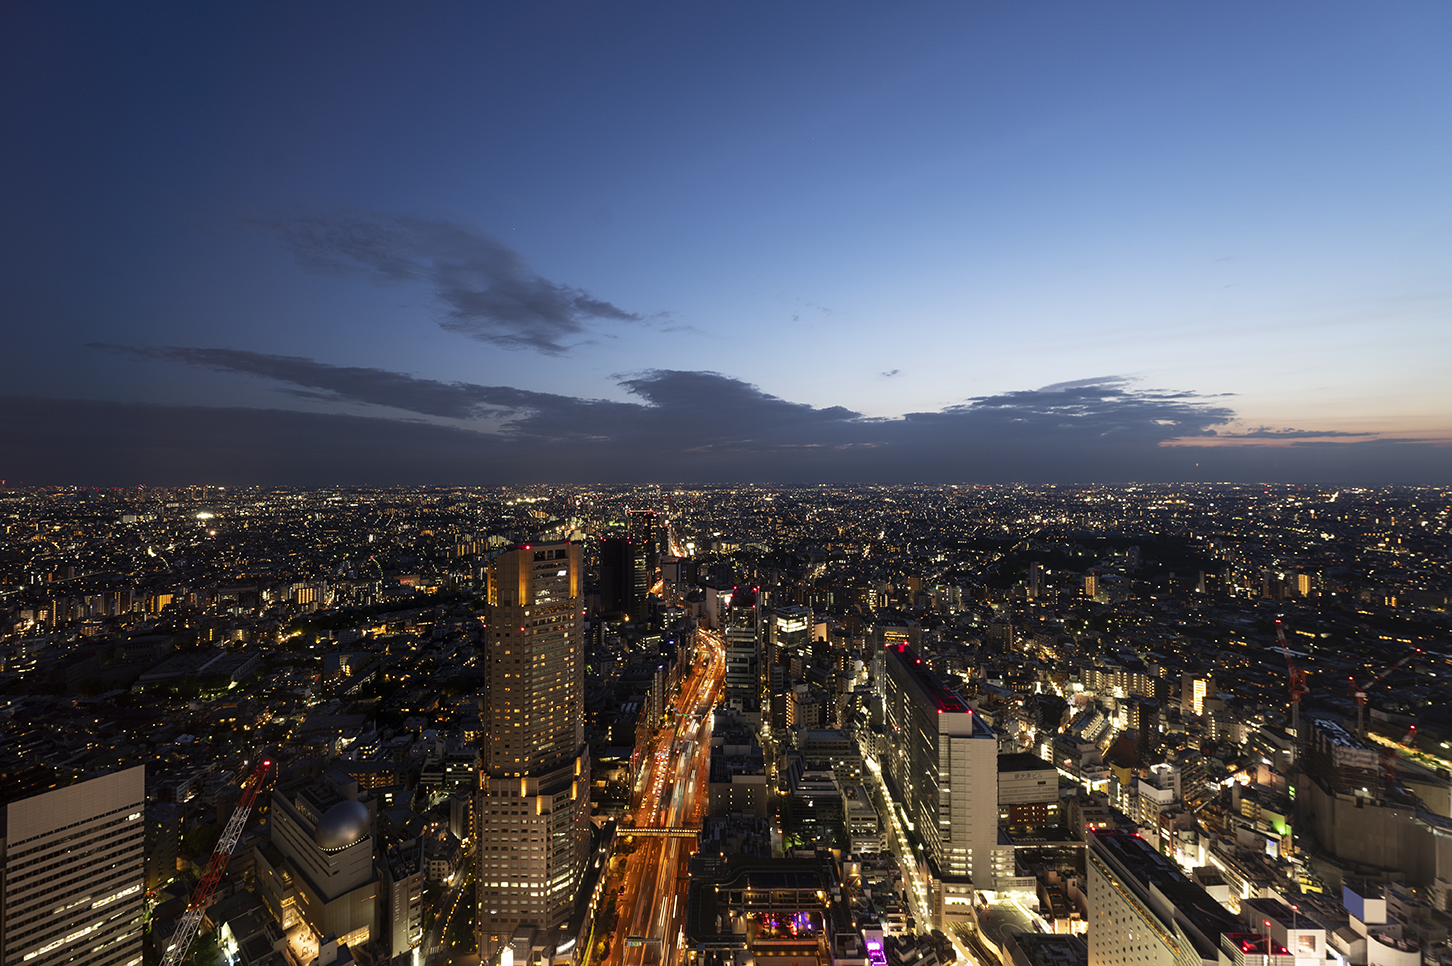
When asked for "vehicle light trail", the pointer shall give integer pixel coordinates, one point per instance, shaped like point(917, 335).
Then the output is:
point(671, 796)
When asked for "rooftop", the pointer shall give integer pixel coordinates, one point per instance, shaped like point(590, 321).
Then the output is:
point(1022, 761)
point(929, 682)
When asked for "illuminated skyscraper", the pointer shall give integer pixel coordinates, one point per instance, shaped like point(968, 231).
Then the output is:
point(643, 527)
point(73, 874)
point(943, 760)
point(533, 811)
point(787, 631)
point(743, 648)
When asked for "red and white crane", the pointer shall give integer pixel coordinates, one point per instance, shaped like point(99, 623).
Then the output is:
point(1296, 682)
point(1359, 691)
point(186, 929)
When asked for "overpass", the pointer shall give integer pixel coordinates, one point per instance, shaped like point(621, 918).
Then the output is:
point(667, 832)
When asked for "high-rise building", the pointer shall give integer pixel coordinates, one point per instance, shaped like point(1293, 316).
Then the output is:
point(622, 579)
point(532, 815)
point(788, 631)
point(943, 760)
point(73, 874)
point(1340, 760)
point(743, 648)
point(643, 526)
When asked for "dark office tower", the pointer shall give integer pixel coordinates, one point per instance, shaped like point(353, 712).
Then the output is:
point(644, 529)
point(622, 579)
point(532, 814)
point(73, 873)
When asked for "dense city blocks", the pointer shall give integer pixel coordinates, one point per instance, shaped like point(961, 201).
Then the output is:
point(726, 726)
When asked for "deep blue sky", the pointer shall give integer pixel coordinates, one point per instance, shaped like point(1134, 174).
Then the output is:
point(512, 239)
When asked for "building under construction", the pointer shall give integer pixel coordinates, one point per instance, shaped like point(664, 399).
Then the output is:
point(1341, 761)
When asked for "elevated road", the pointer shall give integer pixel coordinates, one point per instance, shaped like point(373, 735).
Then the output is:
point(670, 798)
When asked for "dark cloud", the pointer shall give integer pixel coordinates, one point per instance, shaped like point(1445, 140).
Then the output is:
point(1265, 432)
point(377, 386)
point(679, 426)
point(483, 286)
point(525, 412)
point(107, 443)
point(1109, 408)
point(890, 373)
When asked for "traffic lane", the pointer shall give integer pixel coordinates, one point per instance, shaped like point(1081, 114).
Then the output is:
point(644, 892)
point(641, 893)
point(447, 909)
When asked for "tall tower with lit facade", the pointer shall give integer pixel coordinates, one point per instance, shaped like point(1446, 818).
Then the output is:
point(943, 760)
point(743, 648)
point(72, 872)
point(532, 815)
point(644, 529)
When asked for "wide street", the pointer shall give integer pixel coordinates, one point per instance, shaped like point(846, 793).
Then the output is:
point(671, 794)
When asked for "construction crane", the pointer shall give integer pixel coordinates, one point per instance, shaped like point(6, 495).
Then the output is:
point(1359, 692)
point(1296, 682)
point(186, 929)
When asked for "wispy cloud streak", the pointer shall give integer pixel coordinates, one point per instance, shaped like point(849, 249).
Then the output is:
point(483, 286)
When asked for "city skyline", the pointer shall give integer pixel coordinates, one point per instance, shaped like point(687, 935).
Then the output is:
point(851, 725)
point(949, 244)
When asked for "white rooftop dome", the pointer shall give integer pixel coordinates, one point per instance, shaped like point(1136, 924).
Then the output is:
point(342, 825)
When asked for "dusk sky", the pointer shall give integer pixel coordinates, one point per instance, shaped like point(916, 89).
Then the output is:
point(489, 243)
